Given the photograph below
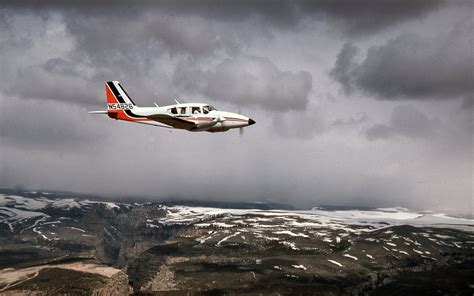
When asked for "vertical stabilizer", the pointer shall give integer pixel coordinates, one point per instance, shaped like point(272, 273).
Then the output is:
point(119, 103)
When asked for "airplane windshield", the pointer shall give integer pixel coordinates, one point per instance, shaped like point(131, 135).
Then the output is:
point(196, 110)
point(207, 109)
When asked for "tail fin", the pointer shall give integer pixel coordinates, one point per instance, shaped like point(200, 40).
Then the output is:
point(119, 104)
point(116, 94)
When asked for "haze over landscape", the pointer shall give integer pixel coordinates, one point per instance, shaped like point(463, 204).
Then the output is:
point(355, 104)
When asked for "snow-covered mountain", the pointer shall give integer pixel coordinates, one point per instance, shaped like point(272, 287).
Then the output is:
point(192, 248)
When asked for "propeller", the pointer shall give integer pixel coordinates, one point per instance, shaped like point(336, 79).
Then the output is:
point(241, 129)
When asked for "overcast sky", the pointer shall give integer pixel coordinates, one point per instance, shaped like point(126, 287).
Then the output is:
point(357, 102)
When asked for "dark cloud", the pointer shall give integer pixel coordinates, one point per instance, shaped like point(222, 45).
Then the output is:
point(45, 125)
point(248, 80)
point(351, 16)
point(274, 58)
point(60, 66)
point(143, 45)
point(367, 16)
point(131, 48)
point(55, 81)
point(135, 41)
point(34, 68)
point(412, 67)
point(345, 64)
point(406, 121)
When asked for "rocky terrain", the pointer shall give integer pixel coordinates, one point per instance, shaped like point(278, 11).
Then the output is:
point(53, 243)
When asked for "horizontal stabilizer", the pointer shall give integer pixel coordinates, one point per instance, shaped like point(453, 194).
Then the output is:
point(97, 112)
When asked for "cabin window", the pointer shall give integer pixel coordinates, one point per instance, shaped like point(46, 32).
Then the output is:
point(183, 110)
point(196, 110)
point(173, 111)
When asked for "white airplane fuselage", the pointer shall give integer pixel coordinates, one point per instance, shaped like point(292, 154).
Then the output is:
point(213, 121)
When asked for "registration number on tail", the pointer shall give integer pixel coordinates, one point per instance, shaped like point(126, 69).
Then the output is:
point(119, 106)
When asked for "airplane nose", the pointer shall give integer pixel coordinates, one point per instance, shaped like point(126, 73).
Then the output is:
point(251, 121)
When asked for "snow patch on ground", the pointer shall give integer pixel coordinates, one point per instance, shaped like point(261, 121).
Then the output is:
point(345, 221)
point(40, 233)
point(111, 205)
point(299, 267)
point(336, 263)
point(152, 225)
point(291, 233)
point(226, 238)
point(202, 240)
point(443, 236)
point(19, 214)
point(350, 256)
point(291, 245)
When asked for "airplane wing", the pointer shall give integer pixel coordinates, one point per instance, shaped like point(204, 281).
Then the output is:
point(172, 121)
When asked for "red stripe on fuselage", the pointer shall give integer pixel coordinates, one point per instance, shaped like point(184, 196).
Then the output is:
point(210, 119)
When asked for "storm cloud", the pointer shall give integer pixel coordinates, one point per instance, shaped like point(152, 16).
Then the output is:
point(405, 121)
point(412, 66)
point(404, 67)
point(358, 17)
point(249, 80)
point(30, 125)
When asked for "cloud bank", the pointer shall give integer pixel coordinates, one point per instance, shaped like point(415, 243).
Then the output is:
point(398, 134)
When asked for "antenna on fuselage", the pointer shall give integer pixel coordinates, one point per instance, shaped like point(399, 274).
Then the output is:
point(156, 104)
point(177, 102)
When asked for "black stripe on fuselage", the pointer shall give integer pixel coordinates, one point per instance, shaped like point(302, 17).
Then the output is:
point(121, 100)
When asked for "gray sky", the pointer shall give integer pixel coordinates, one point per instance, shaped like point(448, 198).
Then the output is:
point(357, 102)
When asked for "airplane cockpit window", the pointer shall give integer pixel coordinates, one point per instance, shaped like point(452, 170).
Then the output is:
point(173, 111)
point(208, 108)
point(196, 110)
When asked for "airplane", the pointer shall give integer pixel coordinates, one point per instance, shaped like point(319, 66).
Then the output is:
point(194, 117)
